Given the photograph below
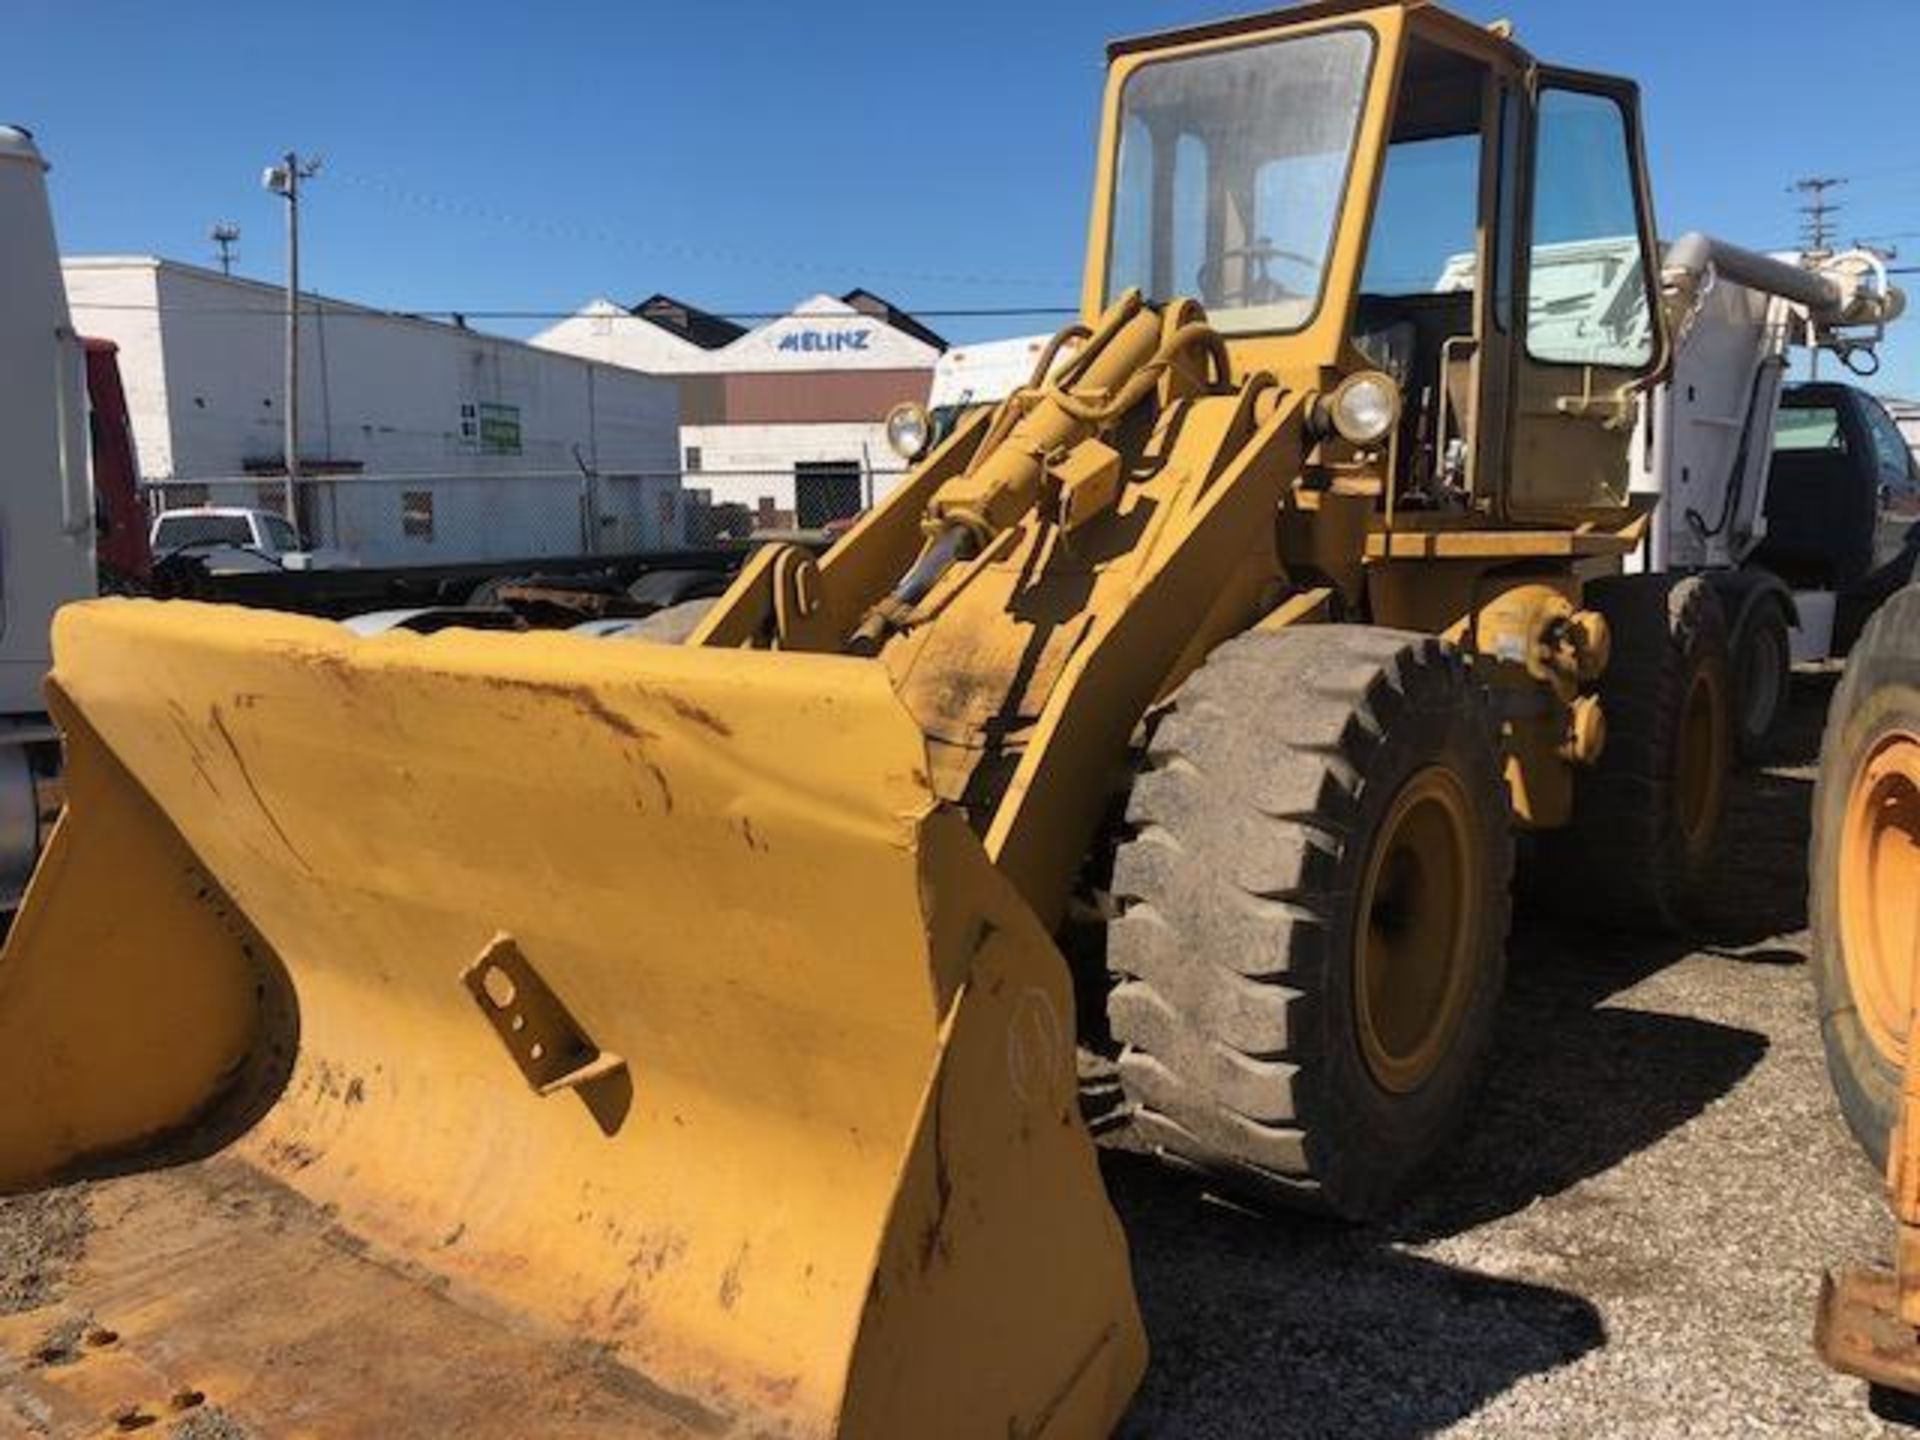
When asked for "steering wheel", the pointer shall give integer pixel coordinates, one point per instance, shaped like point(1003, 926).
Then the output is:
point(1257, 286)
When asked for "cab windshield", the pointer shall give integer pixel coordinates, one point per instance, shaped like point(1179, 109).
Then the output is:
point(1230, 175)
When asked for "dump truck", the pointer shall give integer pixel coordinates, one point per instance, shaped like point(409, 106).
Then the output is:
point(1792, 499)
point(1864, 875)
point(613, 1034)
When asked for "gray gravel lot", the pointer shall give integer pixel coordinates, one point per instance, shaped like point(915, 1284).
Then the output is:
point(1628, 1242)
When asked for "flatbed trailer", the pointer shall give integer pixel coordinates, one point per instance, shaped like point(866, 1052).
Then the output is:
point(592, 585)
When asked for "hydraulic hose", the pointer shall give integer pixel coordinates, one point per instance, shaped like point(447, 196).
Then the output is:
point(1121, 362)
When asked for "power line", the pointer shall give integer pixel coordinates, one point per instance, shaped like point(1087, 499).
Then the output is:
point(1880, 171)
point(335, 310)
point(1886, 244)
point(679, 250)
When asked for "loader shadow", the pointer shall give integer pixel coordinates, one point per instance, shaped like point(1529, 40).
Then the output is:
point(1319, 1328)
point(1284, 1326)
point(1575, 1086)
point(1581, 1078)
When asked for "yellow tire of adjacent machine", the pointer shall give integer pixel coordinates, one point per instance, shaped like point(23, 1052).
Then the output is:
point(1864, 871)
point(1879, 884)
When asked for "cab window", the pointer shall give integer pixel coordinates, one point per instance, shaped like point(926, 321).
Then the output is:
point(1892, 459)
point(280, 535)
point(1588, 293)
point(1426, 221)
point(1809, 427)
point(175, 532)
point(1231, 172)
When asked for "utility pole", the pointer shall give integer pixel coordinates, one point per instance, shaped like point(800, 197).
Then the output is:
point(284, 180)
point(1816, 231)
point(223, 235)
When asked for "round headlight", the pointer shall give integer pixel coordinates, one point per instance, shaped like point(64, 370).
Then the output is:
point(909, 427)
point(1365, 407)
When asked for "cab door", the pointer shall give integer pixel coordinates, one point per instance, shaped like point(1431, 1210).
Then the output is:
point(1896, 480)
point(1591, 337)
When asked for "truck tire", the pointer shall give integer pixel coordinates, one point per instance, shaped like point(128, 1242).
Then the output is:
point(672, 625)
point(663, 588)
point(1762, 657)
point(486, 595)
point(1865, 876)
point(1312, 915)
point(1649, 817)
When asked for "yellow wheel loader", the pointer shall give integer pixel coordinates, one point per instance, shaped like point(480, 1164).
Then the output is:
point(545, 1034)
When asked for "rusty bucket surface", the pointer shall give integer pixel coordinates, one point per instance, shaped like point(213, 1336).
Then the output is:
point(621, 1016)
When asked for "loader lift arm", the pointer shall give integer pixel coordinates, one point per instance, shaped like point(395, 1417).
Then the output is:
point(1034, 588)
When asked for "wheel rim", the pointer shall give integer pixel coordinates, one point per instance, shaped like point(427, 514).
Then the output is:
point(1414, 946)
point(1702, 762)
point(1761, 679)
point(1880, 891)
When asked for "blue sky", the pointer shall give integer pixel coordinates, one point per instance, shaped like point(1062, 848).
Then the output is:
point(744, 155)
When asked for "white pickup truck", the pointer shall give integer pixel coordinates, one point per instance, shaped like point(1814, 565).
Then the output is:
point(236, 537)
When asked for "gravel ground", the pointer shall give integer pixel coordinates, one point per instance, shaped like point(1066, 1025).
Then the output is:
point(1628, 1242)
point(39, 1235)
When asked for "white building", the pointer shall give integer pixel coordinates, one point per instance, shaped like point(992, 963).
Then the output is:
point(787, 419)
point(1906, 414)
point(420, 442)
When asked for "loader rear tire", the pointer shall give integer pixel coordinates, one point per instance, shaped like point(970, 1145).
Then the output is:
point(1649, 817)
point(1866, 871)
point(1312, 915)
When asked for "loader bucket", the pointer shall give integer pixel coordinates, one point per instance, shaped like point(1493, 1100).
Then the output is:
point(592, 993)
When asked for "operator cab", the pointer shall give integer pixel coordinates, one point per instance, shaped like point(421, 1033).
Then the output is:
point(1475, 227)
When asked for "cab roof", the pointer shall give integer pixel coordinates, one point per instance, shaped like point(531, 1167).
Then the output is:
point(1431, 15)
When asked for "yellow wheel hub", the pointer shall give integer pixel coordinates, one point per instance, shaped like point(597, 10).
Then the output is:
point(1415, 949)
point(1701, 770)
point(1880, 891)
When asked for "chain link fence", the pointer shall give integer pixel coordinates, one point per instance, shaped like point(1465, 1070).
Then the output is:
point(461, 518)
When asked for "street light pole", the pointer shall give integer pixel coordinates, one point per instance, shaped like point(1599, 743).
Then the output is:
point(284, 180)
point(223, 235)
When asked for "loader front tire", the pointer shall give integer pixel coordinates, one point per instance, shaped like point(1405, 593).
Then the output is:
point(1866, 871)
point(1649, 817)
point(1312, 915)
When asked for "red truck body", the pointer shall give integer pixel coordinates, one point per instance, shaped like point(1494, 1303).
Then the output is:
point(124, 556)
